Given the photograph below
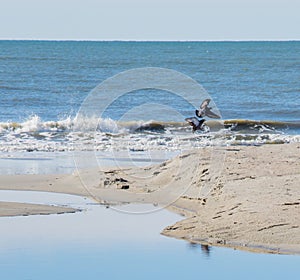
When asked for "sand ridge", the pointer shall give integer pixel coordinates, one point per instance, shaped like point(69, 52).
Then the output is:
point(12, 209)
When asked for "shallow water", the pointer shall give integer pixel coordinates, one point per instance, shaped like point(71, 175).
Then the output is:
point(66, 162)
point(102, 243)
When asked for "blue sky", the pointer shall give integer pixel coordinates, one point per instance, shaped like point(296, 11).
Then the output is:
point(150, 19)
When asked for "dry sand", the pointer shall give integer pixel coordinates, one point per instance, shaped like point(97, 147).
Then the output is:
point(253, 204)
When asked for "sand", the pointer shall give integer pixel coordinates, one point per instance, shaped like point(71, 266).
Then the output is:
point(11, 209)
point(240, 197)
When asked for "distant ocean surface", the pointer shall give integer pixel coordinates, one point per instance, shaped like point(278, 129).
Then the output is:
point(255, 86)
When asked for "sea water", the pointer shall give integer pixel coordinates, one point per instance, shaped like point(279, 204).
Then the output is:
point(255, 87)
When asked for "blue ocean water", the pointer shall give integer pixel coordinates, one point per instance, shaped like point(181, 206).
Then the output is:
point(47, 81)
point(248, 80)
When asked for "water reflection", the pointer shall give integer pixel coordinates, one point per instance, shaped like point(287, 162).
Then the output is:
point(104, 244)
point(63, 162)
point(205, 249)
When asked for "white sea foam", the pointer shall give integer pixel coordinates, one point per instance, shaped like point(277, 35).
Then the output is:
point(88, 134)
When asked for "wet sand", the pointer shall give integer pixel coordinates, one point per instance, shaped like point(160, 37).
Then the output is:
point(253, 203)
point(11, 209)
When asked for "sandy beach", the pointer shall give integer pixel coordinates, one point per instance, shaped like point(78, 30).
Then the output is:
point(252, 204)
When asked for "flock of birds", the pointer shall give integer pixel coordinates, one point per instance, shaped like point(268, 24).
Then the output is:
point(204, 110)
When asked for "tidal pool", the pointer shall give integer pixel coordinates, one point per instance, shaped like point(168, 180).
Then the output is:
point(102, 243)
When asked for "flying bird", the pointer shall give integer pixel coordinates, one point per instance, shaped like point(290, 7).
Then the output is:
point(196, 124)
point(204, 110)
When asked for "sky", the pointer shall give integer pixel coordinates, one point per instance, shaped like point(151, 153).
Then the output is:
point(164, 20)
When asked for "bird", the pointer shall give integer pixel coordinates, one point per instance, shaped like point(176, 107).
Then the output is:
point(204, 110)
point(196, 123)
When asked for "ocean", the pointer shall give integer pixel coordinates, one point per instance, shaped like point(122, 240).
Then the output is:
point(254, 86)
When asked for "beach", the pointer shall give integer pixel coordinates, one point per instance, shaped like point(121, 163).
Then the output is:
point(149, 140)
point(253, 203)
point(96, 132)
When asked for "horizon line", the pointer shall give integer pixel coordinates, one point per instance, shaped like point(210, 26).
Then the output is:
point(152, 40)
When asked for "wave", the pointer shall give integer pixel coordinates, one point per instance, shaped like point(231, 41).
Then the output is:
point(34, 134)
point(261, 125)
point(35, 124)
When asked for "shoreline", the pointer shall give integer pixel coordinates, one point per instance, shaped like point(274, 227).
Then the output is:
point(16, 209)
point(254, 205)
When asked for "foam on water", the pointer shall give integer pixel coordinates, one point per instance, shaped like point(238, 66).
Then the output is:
point(106, 134)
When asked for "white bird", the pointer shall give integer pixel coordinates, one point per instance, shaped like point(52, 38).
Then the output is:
point(204, 110)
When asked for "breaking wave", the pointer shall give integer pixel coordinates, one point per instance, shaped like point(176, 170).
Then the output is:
point(34, 134)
